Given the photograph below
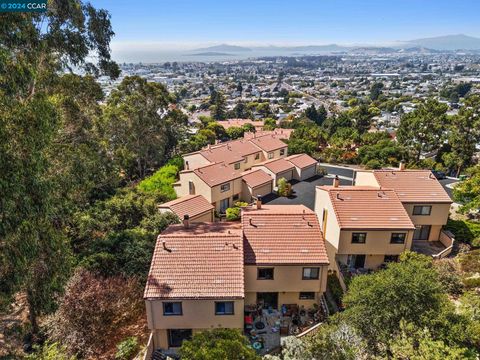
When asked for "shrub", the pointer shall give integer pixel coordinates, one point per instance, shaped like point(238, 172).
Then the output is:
point(373, 164)
point(470, 262)
point(465, 231)
point(127, 349)
point(161, 181)
point(335, 288)
point(449, 275)
point(218, 344)
point(321, 171)
point(241, 204)
point(92, 310)
point(50, 351)
point(233, 213)
point(284, 188)
point(471, 282)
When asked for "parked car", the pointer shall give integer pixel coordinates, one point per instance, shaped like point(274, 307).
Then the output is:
point(440, 175)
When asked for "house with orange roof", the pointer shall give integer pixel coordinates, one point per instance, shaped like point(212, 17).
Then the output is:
point(195, 206)
point(364, 226)
point(210, 275)
point(240, 170)
point(423, 197)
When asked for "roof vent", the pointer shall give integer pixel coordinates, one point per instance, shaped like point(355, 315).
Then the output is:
point(339, 197)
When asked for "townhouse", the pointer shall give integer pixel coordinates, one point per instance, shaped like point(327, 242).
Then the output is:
point(196, 207)
point(423, 197)
point(207, 275)
point(363, 227)
point(241, 170)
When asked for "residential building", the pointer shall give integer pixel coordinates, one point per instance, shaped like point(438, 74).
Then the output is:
point(363, 226)
point(205, 275)
point(423, 197)
point(241, 170)
point(195, 206)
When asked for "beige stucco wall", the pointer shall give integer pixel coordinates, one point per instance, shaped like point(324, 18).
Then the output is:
point(218, 195)
point(331, 230)
point(197, 314)
point(438, 215)
point(285, 279)
point(195, 160)
point(204, 217)
point(377, 242)
point(248, 193)
point(365, 178)
point(199, 186)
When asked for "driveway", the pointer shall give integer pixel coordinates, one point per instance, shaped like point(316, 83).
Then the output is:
point(303, 192)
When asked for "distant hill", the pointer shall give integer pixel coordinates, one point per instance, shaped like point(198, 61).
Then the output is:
point(210, 53)
point(448, 42)
point(223, 48)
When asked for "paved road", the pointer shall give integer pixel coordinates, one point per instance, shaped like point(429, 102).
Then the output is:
point(304, 191)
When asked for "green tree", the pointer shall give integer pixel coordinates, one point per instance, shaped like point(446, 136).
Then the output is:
point(35, 49)
point(463, 135)
point(423, 129)
point(376, 90)
point(137, 126)
point(467, 192)
point(269, 124)
point(218, 344)
point(408, 290)
point(415, 344)
point(218, 109)
point(235, 132)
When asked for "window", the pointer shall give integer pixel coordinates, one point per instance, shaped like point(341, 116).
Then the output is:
point(172, 308)
point(422, 210)
point(398, 238)
point(236, 197)
point(307, 295)
point(237, 166)
point(257, 156)
point(176, 337)
point(359, 238)
point(390, 258)
point(270, 155)
point(282, 152)
point(265, 274)
point(422, 232)
point(310, 273)
point(224, 308)
point(191, 188)
point(225, 187)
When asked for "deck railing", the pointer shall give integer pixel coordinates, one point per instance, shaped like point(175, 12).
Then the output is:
point(149, 349)
point(447, 239)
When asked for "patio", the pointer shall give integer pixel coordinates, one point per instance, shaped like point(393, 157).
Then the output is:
point(429, 248)
point(266, 327)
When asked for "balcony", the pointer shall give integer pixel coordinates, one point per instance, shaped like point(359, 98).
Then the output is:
point(436, 249)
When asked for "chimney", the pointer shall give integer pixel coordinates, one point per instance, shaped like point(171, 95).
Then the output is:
point(259, 202)
point(187, 166)
point(401, 166)
point(336, 181)
point(186, 221)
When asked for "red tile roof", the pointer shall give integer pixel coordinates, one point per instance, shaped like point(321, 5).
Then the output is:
point(278, 165)
point(282, 234)
point(301, 160)
point(217, 173)
point(268, 143)
point(413, 185)
point(192, 205)
point(230, 151)
point(256, 178)
point(363, 207)
point(279, 133)
point(204, 261)
point(240, 122)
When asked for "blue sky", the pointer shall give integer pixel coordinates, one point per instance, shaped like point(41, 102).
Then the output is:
point(189, 23)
